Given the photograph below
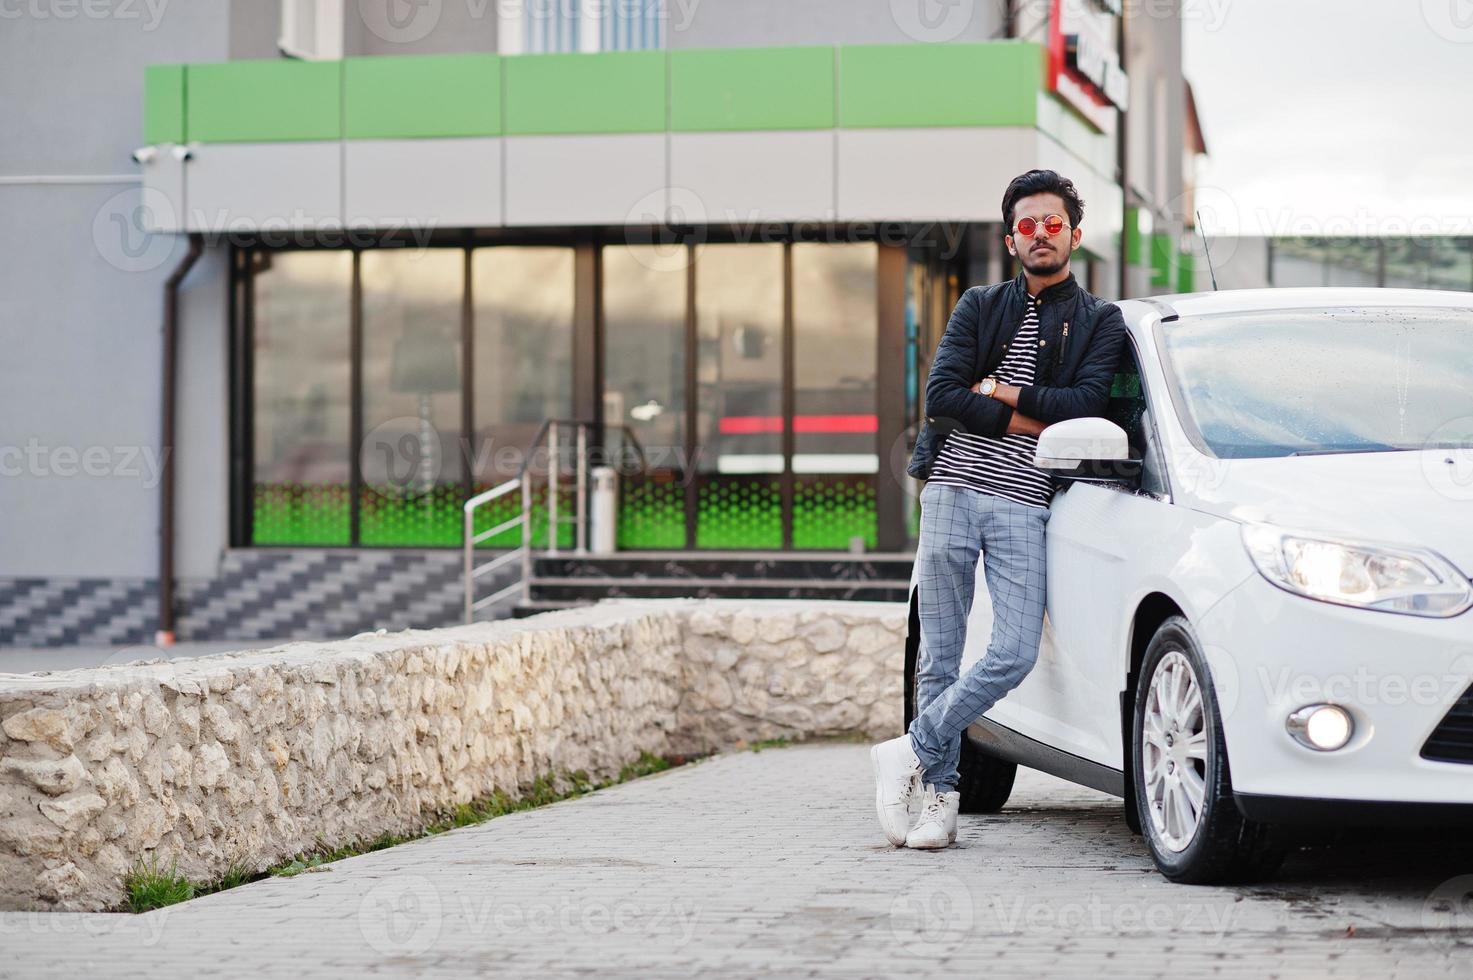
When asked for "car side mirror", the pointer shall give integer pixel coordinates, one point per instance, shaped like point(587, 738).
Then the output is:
point(1090, 449)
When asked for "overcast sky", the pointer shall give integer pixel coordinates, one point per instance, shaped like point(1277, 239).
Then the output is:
point(1334, 116)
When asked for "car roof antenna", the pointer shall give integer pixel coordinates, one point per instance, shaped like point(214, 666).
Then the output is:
point(1210, 271)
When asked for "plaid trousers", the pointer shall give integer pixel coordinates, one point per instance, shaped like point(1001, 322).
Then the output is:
point(956, 525)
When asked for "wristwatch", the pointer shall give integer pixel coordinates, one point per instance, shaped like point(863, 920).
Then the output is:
point(989, 385)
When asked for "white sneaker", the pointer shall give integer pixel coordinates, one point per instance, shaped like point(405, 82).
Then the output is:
point(936, 826)
point(897, 778)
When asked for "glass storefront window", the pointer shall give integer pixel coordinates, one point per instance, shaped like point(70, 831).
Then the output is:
point(523, 370)
point(644, 300)
point(835, 426)
point(301, 341)
point(739, 424)
point(411, 454)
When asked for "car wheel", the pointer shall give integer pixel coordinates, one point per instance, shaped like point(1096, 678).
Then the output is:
point(984, 781)
point(1183, 785)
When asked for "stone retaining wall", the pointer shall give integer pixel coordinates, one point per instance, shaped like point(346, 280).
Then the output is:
point(254, 757)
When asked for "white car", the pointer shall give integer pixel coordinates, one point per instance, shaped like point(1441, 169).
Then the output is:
point(1261, 616)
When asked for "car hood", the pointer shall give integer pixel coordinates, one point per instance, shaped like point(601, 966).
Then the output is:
point(1424, 499)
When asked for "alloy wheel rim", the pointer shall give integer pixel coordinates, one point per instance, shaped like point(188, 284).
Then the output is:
point(1174, 752)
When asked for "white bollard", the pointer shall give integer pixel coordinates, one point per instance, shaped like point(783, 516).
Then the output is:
point(604, 511)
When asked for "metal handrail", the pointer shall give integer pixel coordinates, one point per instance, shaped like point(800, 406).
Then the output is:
point(522, 481)
point(471, 539)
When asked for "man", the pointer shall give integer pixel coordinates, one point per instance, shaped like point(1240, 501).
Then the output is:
point(1014, 358)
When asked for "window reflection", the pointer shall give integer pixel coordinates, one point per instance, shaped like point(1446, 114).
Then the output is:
point(644, 299)
point(739, 423)
point(301, 397)
point(523, 350)
point(411, 456)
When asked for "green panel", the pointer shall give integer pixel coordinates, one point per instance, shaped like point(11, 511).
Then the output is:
point(829, 510)
point(993, 83)
point(612, 92)
point(251, 101)
point(435, 518)
point(299, 514)
point(1186, 273)
point(1163, 260)
point(751, 88)
point(740, 512)
point(651, 513)
point(1132, 236)
point(408, 97)
point(163, 104)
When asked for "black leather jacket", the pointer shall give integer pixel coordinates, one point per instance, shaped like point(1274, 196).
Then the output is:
point(1080, 337)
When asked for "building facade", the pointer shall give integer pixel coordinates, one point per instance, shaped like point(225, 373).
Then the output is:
point(725, 234)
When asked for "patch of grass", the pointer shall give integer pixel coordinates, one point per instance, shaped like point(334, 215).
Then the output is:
point(645, 765)
point(781, 742)
point(150, 887)
point(237, 874)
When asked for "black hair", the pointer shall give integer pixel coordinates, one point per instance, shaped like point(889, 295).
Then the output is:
point(1041, 182)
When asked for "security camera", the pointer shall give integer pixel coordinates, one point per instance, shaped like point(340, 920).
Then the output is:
point(145, 154)
point(182, 153)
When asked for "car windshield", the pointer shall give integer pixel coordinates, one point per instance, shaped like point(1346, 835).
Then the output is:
point(1281, 382)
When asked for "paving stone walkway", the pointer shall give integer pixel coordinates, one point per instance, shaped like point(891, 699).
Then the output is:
point(770, 863)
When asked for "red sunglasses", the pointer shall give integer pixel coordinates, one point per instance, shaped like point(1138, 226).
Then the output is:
point(1052, 223)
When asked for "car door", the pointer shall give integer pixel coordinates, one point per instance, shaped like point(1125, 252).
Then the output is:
point(1071, 699)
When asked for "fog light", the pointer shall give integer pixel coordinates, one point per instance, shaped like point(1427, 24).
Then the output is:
point(1322, 727)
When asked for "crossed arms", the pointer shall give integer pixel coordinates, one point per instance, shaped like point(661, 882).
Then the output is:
point(951, 393)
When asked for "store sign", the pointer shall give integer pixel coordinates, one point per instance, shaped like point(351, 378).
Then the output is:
point(1084, 68)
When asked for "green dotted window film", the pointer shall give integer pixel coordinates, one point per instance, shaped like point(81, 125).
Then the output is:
point(739, 511)
point(387, 516)
point(411, 456)
point(301, 392)
point(830, 511)
point(299, 514)
point(651, 512)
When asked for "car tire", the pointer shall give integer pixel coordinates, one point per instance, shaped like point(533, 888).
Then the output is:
point(984, 781)
point(1181, 766)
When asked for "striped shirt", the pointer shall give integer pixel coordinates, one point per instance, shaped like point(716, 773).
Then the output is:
point(1003, 466)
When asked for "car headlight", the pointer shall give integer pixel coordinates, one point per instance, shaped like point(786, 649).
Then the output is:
point(1403, 580)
